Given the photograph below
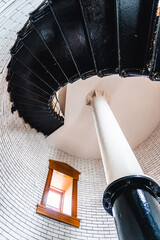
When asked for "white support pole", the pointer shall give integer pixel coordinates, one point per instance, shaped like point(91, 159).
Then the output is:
point(117, 156)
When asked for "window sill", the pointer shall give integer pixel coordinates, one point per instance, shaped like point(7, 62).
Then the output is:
point(58, 216)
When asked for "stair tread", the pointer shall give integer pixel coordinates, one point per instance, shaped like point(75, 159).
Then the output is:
point(32, 64)
point(55, 43)
point(28, 85)
point(155, 67)
point(100, 21)
point(28, 107)
point(69, 19)
point(135, 20)
point(42, 55)
point(21, 70)
point(17, 98)
point(20, 91)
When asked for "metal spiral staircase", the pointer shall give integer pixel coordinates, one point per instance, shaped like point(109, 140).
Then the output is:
point(64, 41)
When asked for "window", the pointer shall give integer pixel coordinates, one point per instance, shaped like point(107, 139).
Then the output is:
point(54, 199)
point(59, 200)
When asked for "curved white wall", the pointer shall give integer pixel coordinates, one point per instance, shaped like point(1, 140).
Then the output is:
point(25, 156)
point(148, 154)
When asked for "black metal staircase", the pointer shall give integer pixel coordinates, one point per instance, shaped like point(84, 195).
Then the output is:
point(66, 40)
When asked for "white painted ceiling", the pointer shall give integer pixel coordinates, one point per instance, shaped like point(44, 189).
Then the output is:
point(134, 101)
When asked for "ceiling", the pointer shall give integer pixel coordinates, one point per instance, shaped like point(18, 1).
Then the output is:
point(134, 101)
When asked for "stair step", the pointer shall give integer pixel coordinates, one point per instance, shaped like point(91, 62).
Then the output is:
point(135, 21)
point(29, 86)
point(18, 90)
point(54, 42)
point(70, 20)
point(48, 126)
point(37, 114)
point(17, 98)
point(30, 108)
point(32, 64)
point(51, 126)
point(37, 121)
point(100, 22)
point(40, 117)
point(39, 51)
point(155, 67)
point(22, 71)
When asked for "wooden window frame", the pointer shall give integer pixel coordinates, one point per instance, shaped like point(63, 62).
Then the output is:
point(50, 212)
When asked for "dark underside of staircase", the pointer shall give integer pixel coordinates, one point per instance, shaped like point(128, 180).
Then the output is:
point(64, 41)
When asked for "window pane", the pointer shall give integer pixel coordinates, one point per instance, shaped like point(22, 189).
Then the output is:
point(54, 199)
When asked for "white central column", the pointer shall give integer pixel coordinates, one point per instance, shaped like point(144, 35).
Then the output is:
point(117, 156)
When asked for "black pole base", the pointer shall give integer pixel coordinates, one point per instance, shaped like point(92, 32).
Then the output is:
point(134, 203)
